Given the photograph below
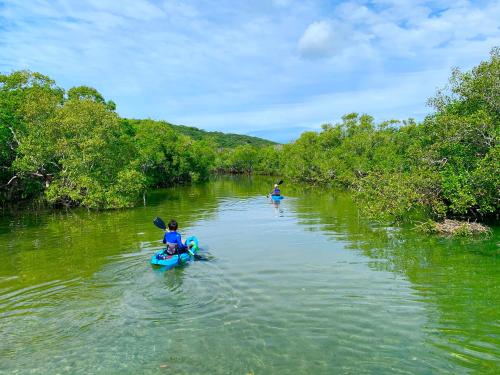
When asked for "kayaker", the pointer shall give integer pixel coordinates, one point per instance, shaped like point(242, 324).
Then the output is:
point(173, 239)
point(276, 190)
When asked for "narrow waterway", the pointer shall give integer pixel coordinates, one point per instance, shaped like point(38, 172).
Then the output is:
point(305, 287)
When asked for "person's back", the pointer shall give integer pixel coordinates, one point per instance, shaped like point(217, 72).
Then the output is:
point(276, 190)
point(173, 239)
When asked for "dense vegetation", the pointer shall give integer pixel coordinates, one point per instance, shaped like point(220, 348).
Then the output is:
point(72, 148)
point(219, 139)
point(446, 166)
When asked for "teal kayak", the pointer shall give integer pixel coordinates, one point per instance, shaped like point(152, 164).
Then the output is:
point(160, 258)
point(276, 198)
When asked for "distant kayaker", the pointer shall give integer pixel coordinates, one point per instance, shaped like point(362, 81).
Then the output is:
point(173, 240)
point(276, 191)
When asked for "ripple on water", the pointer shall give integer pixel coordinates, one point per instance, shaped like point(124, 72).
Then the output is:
point(305, 291)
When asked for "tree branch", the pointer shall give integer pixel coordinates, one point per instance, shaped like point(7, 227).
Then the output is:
point(12, 179)
point(14, 135)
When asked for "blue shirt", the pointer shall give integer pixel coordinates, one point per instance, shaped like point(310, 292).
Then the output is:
point(276, 191)
point(174, 237)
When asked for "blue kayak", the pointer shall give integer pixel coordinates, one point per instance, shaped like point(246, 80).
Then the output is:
point(276, 198)
point(169, 261)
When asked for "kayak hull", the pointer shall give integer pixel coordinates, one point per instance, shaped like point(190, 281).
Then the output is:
point(170, 261)
point(277, 198)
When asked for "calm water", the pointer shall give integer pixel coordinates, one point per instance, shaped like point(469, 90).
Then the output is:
point(308, 287)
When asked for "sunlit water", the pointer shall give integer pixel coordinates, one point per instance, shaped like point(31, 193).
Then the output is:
point(306, 287)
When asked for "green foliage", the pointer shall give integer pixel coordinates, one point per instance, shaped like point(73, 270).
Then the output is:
point(157, 145)
point(220, 140)
point(89, 93)
point(75, 150)
point(463, 139)
point(397, 196)
point(486, 182)
point(167, 157)
point(83, 155)
point(200, 158)
point(27, 100)
point(241, 159)
point(85, 93)
point(473, 91)
point(269, 160)
point(446, 166)
point(249, 159)
point(428, 227)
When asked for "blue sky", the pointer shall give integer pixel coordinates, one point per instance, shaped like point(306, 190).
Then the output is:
point(269, 68)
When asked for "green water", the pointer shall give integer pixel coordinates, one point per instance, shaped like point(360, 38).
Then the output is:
point(306, 287)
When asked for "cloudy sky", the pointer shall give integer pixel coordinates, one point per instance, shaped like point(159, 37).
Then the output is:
point(269, 68)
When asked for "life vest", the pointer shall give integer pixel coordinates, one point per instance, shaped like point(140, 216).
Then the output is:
point(172, 248)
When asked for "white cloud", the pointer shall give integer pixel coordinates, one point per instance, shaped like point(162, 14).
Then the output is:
point(319, 40)
point(400, 29)
point(329, 38)
point(240, 66)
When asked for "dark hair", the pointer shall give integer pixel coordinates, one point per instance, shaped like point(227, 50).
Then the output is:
point(172, 225)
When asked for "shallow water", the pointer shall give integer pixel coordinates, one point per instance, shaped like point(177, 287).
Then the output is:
point(306, 287)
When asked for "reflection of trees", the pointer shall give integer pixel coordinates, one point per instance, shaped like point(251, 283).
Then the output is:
point(458, 276)
point(455, 280)
point(39, 246)
point(242, 186)
point(42, 246)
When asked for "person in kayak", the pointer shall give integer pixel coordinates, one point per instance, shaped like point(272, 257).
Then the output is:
point(276, 191)
point(173, 240)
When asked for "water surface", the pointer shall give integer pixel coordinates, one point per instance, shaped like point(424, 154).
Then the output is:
point(306, 287)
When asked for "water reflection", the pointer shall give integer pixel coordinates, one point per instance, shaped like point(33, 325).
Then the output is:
point(319, 290)
point(47, 245)
point(172, 280)
point(455, 279)
point(278, 210)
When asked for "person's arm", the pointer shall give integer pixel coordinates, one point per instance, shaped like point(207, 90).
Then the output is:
point(165, 237)
point(184, 246)
point(179, 241)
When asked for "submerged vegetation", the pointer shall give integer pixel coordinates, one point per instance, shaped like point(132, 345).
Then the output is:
point(72, 148)
point(455, 228)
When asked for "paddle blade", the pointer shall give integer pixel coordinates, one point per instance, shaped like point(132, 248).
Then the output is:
point(280, 182)
point(159, 223)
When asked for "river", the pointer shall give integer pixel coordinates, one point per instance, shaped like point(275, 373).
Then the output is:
point(306, 287)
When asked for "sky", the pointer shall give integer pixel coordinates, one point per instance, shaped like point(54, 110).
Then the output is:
point(270, 68)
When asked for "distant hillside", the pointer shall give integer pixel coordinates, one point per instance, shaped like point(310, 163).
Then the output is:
point(225, 140)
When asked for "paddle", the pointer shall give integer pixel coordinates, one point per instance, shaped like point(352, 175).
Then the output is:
point(161, 224)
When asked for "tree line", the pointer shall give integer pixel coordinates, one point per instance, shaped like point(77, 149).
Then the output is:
point(71, 148)
point(445, 166)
